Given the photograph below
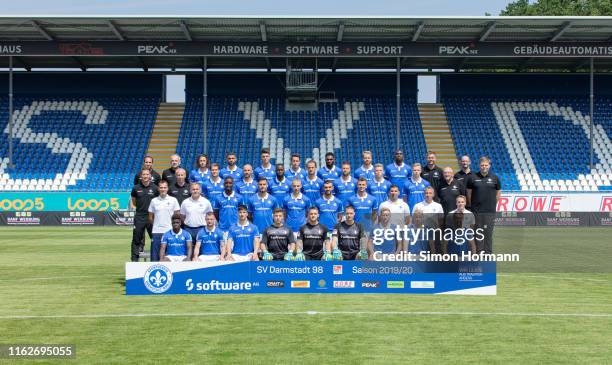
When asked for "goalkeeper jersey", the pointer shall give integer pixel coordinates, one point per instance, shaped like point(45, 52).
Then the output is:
point(313, 238)
point(349, 237)
point(277, 240)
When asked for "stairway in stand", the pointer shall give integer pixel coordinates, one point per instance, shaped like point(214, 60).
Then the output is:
point(438, 137)
point(165, 134)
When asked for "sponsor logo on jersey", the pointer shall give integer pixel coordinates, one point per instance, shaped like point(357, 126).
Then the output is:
point(337, 269)
point(300, 284)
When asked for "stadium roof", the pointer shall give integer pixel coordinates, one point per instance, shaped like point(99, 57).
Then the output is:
point(103, 41)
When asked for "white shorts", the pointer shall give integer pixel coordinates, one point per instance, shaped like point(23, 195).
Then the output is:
point(246, 257)
point(208, 257)
point(173, 258)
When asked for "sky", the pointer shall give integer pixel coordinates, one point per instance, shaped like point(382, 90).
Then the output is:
point(260, 7)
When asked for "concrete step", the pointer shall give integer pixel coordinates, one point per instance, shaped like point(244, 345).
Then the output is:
point(159, 139)
point(169, 123)
point(439, 143)
point(433, 119)
point(167, 135)
point(435, 132)
point(170, 115)
point(434, 123)
point(435, 128)
point(176, 127)
point(164, 144)
point(161, 152)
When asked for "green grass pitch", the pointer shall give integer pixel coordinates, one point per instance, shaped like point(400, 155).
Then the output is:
point(555, 306)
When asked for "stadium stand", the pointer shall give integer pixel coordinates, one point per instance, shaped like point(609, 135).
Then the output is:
point(253, 114)
point(77, 133)
point(89, 132)
point(539, 125)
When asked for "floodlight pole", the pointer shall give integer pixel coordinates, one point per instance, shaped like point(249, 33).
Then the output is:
point(397, 104)
point(591, 116)
point(205, 102)
point(11, 163)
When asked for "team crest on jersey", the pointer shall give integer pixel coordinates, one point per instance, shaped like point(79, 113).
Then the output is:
point(157, 279)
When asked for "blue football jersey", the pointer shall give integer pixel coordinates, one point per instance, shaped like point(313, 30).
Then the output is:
point(280, 189)
point(247, 190)
point(213, 190)
point(269, 174)
point(328, 211)
point(176, 243)
point(415, 191)
point(296, 211)
point(243, 237)
point(200, 177)
point(262, 210)
point(326, 174)
point(363, 209)
point(210, 241)
point(344, 190)
point(416, 245)
point(236, 174)
point(291, 175)
point(366, 174)
point(379, 190)
point(378, 233)
point(397, 175)
point(312, 188)
point(228, 209)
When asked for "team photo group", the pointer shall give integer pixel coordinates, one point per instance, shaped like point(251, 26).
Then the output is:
point(332, 212)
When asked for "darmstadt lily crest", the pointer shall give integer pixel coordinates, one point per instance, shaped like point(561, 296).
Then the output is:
point(158, 279)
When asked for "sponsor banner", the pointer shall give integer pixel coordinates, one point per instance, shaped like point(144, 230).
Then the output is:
point(63, 201)
point(76, 219)
point(64, 218)
point(546, 202)
point(301, 49)
point(85, 202)
point(24, 218)
point(126, 218)
point(145, 278)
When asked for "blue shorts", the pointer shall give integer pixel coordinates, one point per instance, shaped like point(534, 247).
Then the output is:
point(156, 246)
point(193, 231)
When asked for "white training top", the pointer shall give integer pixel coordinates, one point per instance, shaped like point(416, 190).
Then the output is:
point(430, 211)
point(399, 211)
point(426, 207)
point(163, 209)
point(195, 211)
